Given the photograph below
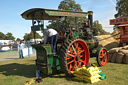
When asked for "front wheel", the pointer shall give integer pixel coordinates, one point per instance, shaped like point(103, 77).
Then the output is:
point(102, 57)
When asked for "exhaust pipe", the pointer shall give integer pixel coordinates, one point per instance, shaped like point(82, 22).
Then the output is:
point(90, 19)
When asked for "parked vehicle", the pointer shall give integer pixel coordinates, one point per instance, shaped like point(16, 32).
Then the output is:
point(4, 47)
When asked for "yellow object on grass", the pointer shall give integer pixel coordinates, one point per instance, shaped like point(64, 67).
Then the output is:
point(93, 81)
point(90, 74)
point(97, 76)
point(29, 82)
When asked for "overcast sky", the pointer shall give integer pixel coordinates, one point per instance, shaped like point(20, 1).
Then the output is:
point(11, 20)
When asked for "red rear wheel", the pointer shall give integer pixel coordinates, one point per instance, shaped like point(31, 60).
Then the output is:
point(102, 58)
point(76, 55)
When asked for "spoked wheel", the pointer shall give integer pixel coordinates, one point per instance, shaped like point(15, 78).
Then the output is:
point(102, 57)
point(73, 54)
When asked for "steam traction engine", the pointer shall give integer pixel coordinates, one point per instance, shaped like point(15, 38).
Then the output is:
point(73, 48)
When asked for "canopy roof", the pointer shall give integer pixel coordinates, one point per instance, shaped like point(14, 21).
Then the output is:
point(49, 14)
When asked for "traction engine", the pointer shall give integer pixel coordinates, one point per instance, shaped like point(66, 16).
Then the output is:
point(74, 48)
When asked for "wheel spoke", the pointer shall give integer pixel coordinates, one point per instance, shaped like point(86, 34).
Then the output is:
point(74, 66)
point(70, 67)
point(82, 61)
point(70, 50)
point(81, 56)
point(73, 49)
point(80, 52)
point(101, 56)
point(70, 62)
point(70, 55)
point(68, 58)
point(79, 64)
point(76, 46)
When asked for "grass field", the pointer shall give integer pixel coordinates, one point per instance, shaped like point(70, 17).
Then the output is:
point(9, 53)
point(17, 72)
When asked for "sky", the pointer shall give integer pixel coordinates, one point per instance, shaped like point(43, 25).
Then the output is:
point(11, 10)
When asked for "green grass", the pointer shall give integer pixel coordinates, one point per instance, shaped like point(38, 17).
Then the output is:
point(9, 53)
point(17, 72)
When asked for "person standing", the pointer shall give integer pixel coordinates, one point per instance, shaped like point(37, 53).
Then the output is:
point(20, 49)
point(50, 36)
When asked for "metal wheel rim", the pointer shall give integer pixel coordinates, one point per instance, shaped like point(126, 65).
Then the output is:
point(103, 57)
point(77, 55)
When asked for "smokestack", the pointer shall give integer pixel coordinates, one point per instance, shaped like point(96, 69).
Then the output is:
point(90, 19)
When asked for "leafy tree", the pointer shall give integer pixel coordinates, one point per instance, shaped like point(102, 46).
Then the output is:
point(30, 35)
point(98, 29)
point(9, 36)
point(69, 22)
point(121, 8)
point(2, 36)
point(18, 39)
point(63, 24)
point(26, 36)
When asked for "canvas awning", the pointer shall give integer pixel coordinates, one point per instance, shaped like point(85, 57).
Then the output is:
point(49, 14)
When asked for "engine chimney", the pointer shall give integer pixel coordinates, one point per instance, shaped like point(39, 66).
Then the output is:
point(90, 19)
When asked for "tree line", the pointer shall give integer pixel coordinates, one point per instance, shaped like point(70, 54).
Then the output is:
point(27, 36)
point(7, 36)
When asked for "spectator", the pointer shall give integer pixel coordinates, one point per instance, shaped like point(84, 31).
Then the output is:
point(20, 49)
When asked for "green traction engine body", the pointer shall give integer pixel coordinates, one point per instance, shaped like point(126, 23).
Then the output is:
point(46, 61)
point(74, 47)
